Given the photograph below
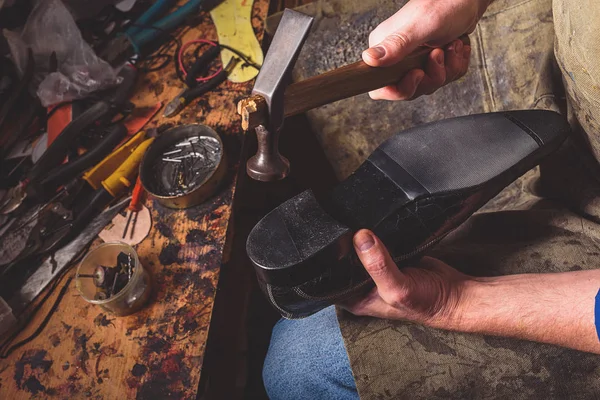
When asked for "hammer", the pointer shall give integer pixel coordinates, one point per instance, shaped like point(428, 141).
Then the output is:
point(274, 98)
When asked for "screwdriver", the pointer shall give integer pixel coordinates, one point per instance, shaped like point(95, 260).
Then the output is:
point(117, 183)
point(134, 207)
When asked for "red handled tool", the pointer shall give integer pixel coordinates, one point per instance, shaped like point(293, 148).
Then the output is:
point(134, 207)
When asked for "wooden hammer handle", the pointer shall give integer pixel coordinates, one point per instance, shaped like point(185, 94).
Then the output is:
point(350, 80)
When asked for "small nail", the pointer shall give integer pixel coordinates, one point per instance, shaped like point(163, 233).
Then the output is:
point(363, 241)
point(458, 47)
point(440, 59)
point(376, 52)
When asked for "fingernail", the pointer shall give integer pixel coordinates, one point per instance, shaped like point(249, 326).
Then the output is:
point(376, 52)
point(467, 52)
point(440, 59)
point(458, 47)
point(418, 79)
point(363, 241)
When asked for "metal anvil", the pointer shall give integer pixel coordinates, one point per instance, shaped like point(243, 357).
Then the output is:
point(274, 97)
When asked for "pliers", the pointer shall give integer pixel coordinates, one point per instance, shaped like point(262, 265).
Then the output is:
point(194, 89)
point(48, 174)
point(63, 219)
point(147, 29)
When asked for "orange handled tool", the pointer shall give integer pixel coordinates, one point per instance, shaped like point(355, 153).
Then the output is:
point(134, 207)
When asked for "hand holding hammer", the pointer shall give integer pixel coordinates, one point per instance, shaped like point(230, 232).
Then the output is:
point(273, 98)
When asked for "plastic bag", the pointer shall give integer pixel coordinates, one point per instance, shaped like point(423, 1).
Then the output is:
point(50, 29)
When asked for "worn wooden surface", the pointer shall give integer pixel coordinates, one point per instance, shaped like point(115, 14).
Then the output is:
point(158, 352)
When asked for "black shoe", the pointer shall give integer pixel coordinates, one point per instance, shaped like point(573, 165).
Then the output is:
point(412, 191)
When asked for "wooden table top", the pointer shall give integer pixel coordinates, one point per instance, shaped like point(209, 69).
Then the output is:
point(159, 351)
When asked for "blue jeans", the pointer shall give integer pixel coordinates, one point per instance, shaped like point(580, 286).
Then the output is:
point(307, 360)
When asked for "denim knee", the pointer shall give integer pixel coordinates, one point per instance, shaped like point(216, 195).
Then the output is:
point(307, 360)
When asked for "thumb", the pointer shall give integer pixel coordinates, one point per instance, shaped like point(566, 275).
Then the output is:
point(378, 263)
point(399, 35)
point(391, 50)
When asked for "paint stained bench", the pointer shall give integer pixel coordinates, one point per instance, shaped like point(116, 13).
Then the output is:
point(159, 351)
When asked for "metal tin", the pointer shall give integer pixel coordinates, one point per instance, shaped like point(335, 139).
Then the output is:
point(155, 153)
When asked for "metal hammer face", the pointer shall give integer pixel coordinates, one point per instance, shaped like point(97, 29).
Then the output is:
point(264, 111)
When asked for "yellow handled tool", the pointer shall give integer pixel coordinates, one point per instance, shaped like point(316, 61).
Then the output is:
point(113, 186)
point(106, 167)
point(124, 176)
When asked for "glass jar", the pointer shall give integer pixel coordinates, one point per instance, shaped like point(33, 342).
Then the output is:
point(131, 297)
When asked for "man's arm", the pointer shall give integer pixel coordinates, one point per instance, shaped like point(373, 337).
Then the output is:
point(553, 308)
point(550, 308)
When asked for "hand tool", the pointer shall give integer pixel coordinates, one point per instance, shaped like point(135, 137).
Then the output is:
point(62, 174)
point(273, 99)
point(233, 20)
point(21, 219)
point(68, 216)
point(103, 169)
point(196, 89)
point(102, 111)
point(41, 180)
point(13, 241)
point(68, 188)
point(114, 134)
point(147, 29)
point(53, 266)
point(134, 207)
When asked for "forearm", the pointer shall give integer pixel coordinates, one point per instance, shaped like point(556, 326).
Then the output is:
point(555, 308)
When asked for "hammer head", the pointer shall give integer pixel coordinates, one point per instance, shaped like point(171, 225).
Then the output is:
point(264, 111)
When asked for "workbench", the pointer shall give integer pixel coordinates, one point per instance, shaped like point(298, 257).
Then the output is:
point(159, 351)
